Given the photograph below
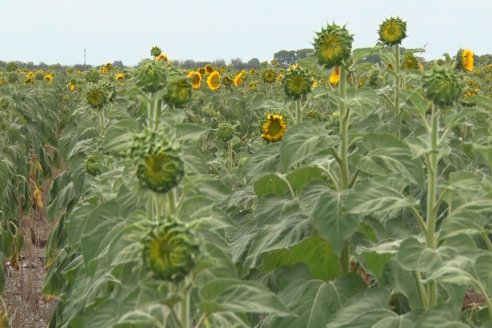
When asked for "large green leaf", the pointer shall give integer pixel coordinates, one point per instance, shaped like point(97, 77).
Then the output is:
point(263, 162)
point(189, 131)
point(443, 316)
point(374, 258)
point(119, 136)
point(234, 295)
point(333, 225)
point(303, 141)
point(271, 185)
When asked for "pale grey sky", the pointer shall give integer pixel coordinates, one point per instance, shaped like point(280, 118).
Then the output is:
point(57, 31)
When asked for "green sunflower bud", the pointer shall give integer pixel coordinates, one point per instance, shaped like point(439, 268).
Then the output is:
point(178, 92)
point(151, 76)
point(170, 251)
point(225, 131)
point(4, 102)
point(443, 85)
point(92, 76)
point(269, 75)
point(410, 62)
point(392, 31)
point(159, 166)
point(93, 164)
point(96, 96)
point(333, 45)
point(297, 83)
point(155, 51)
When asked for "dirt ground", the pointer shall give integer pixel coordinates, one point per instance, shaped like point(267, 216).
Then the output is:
point(25, 305)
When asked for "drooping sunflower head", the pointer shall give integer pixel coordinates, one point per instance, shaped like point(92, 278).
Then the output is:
point(333, 45)
point(202, 71)
point(268, 75)
point(213, 81)
point(30, 75)
point(96, 95)
point(443, 85)
point(297, 83)
point(162, 57)
point(151, 76)
point(48, 78)
point(335, 75)
point(170, 250)
point(103, 70)
point(225, 131)
point(239, 79)
point(108, 66)
point(119, 76)
point(392, 31)
point(274, 127)
point(464, 60)
point(209, 69)
point(178, 92)
point(196, 79)
point(159, 165)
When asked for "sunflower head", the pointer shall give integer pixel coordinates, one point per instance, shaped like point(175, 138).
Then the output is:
point(227, 81)
point(268, 75)
point(333, 45)
point(178, 92)
point(239, 79)
point(202, 71)
point(443, 85)
point(274, 127)
point(92, 76)
point(464, 60)
point(196, 79)
point(162, 57)
point(335, 75)
point(297, 82)
point(410, 62)
point(155, 51)
point(392, 31)
point(96, 95)
point(48, 78)
point(119, 76)
point(151, 76)
point(159, 166)
point(94, 164)
point(170, 250)
point(213, 81)
point(71, 86)
point(225, 131)
point(209, 69)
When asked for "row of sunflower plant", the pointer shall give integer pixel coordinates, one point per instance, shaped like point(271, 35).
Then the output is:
point(336, 193)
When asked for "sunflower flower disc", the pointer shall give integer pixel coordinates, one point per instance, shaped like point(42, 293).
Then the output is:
point(333, 45)
point(443, 85)
point(297, 83)
point(274, 127)
point(96, 95)
point(169, 251)
point(178, 92)
point(268, 75)
point(392, 31)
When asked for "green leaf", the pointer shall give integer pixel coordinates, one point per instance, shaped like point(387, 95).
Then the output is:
point(482, 101)
point(263, 162)
point(301, 177)
point(362, 101)
point(315, 252)
point(443, 316)
point(370, 306)
point(376, 196)
point(303, 141)
point(234, 295)
point(119, 136)
point(483, 271)
point(464, 223)
point(333, 225)
point(4, 176)
point(413, 255)
point(271, 185)
point(189, 131)
point(374, 258)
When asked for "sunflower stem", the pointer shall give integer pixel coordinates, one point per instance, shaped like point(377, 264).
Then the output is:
point(184, 306)
point(432, 161)
point(397, 79)
point(298, 111)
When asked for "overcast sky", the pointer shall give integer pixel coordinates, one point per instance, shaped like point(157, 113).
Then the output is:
point(58, 31)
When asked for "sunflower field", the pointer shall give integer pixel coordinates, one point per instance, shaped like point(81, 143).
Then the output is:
point(337, 192)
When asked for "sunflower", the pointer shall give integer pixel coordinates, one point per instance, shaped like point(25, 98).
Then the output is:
point(238, 79)
point(48, 78)
point(196, 79)
point(268, 75)
point(335, 75)
point(103, 70)
point(252, 85)
point(297, 83)
point(30, 75)
point(155, 51)
point(227, 81)
point(333, 45)
point(119, 76)
point(213, 81)
point(466, 60)
point(71, 86)
point(162, 57)
point(274, 127)
point(68, 71)
point(202, 71)
point(209, 69)
point(392, 31)
point(178, 92)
